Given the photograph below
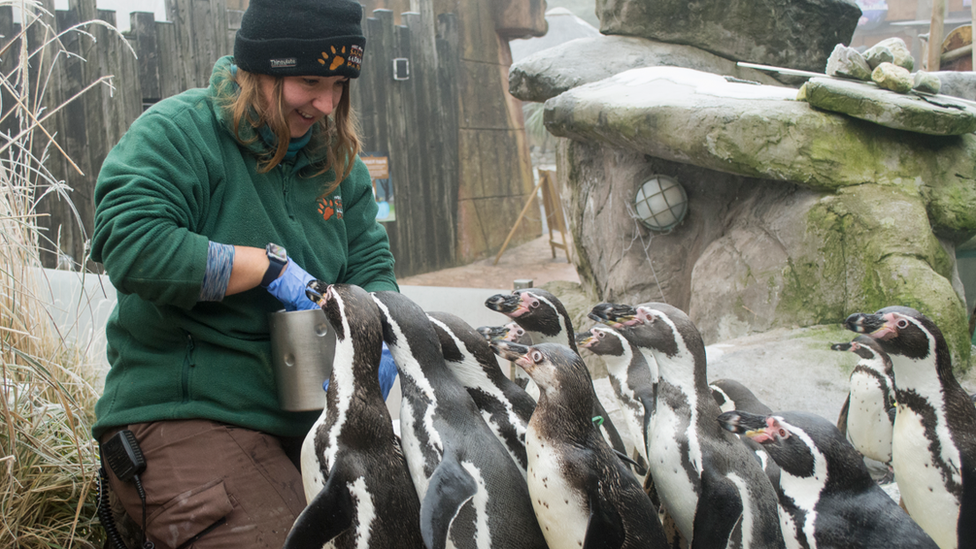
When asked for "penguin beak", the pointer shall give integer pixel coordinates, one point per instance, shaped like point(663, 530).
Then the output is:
point(841, 346)
point(585, 339)
point(615, 316)
point(863, 323)
point(492, 333)
point(882, 327)
point(505, 304)
point(318, 292)
point(740, 422)
point(508, 350)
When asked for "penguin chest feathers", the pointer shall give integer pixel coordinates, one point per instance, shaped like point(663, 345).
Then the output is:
point(560, 505)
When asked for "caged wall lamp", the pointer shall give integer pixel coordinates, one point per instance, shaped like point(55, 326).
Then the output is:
point(661, 203)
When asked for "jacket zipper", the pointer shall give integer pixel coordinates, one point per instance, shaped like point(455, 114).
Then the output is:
point(187, 364)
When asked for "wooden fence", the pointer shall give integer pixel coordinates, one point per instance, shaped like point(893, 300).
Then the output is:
point(413, 121)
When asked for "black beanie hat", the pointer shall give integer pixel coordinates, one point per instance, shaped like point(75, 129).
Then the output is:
point(301, 38)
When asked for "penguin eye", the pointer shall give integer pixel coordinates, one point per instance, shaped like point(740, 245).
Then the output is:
point(534, 304)
point(902, 323)
point(783, 433)
point(600, 334)
point(536, 357)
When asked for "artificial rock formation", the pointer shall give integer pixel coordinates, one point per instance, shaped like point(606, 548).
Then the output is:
point(797, 216)
point(797, 34)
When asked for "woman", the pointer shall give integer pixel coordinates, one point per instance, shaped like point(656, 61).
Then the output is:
point(215, 208)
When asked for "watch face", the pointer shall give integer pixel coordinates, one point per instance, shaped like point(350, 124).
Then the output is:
point(276, 252)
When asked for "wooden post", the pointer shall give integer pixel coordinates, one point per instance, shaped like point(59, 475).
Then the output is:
point(936, 32)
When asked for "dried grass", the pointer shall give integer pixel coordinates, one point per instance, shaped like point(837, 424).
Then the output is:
point(48, 462)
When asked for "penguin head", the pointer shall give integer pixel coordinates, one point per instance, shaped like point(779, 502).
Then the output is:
point(780, 439)
point(555, 368)
point(899, 331)
point(601, 340)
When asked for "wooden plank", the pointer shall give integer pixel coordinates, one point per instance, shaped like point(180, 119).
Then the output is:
point(936, 32)
point(445, 97)
point(143, 25)
point(172, 78)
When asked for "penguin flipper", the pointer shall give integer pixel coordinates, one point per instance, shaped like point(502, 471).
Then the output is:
point(605, 529)
point(719, 511)
point(842, 417)
point(328, 515)
point(448, 489)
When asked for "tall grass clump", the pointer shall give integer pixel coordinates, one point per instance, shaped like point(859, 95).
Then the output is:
point(48, 460)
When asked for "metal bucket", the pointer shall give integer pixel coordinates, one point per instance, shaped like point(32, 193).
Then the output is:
point(302, 350)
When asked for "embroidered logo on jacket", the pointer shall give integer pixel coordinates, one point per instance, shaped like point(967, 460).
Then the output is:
point(339, 56)
point(330, 206)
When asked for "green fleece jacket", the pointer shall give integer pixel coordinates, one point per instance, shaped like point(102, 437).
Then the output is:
point(177, 179)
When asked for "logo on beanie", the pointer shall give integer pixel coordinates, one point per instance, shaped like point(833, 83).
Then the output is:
point(285, 63)
point(330, 206)
point(340, 56)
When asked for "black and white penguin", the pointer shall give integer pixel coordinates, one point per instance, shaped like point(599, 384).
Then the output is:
point(472, 494)
point(933, 442)
point(733, 395)
point(868, 415)
point(505, 406)
point(709, 482)
point(631, 377)
point(582, 494)
point(826, 490)
point(356, 479)
point(545, 320)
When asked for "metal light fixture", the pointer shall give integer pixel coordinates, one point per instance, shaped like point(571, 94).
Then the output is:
point(661, 203)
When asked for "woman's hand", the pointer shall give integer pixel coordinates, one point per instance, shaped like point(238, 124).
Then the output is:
point(290, 286)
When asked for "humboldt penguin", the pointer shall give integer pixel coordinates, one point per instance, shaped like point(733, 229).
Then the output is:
point(582, 494)
point(631, 378)
point(868, 415)
point(933, 442)
point(472, 494)
point(709, 482)
point(545, 320)
point(356, 479)
point(505, 406)
point(825, 488)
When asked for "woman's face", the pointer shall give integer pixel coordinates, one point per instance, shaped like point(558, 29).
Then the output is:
point(306, 99)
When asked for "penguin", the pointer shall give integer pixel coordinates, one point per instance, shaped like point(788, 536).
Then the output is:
point(631, 378)
point(709, 482)
point(582, 494)
point(355, 476)
point(933, 441)
point(545, 320)
point(472, 494)
point(868, 415)
point(733, 395)
point(505, 407)
point(825, 487)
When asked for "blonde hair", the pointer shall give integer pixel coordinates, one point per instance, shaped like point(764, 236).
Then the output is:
point(338, 132)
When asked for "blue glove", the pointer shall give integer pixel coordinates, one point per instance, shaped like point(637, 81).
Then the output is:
point(387, 374)
point(289, 288)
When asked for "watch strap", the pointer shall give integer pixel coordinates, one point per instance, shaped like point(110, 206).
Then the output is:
point(277, 259)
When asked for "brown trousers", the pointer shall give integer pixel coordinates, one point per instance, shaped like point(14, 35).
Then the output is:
point(211, 485)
